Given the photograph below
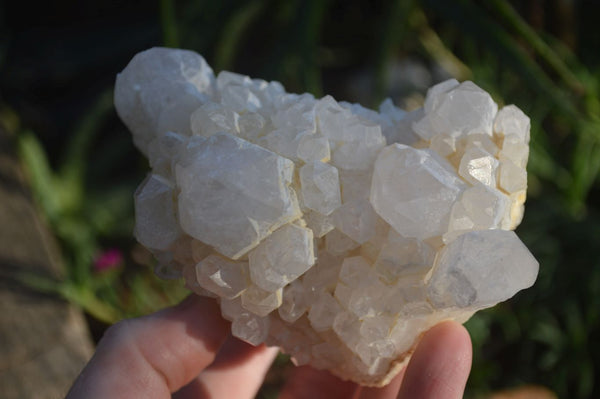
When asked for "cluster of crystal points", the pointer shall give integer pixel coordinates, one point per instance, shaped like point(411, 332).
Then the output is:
point(336, 232)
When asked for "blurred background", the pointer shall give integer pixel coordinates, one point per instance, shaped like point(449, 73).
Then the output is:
point(58, 62)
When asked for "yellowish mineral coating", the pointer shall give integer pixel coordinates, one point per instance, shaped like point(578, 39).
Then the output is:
point(338, 233)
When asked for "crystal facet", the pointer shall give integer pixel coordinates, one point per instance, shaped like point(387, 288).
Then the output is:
point(413, 190)
point(234, 194)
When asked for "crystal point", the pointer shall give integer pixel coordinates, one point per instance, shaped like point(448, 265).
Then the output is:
point(461, 279)
point(234, 194)
point(413, 190)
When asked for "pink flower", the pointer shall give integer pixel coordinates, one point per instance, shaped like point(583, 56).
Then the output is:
point(108, 259)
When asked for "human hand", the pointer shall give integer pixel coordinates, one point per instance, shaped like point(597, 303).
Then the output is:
point(188, 350)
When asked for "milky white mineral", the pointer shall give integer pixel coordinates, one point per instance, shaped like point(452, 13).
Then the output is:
point(337, 233)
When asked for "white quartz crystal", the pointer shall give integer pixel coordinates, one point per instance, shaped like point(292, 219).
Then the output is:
point(320, 187)
point(234, 194)
point(156, 224)
point(282, 257)
point(459, 276)
point(512, 123)
point(261, 302)
point(456, 110)
point(478, 165)
point(223, 277)
point(414, 189)
point(335, 232)
point(159, 92)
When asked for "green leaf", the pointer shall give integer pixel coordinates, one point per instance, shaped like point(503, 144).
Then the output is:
point(586, 166)
point(525, 32)
point(169, 24)
point(233, 32)
point(42, 178)
point(90, 303)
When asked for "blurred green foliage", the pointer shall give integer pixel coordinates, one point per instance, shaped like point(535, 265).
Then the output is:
point(541, 55)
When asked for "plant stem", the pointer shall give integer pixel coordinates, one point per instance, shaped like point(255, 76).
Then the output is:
point(169, 24)
point(516, 22)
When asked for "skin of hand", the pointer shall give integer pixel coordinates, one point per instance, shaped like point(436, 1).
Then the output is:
point(187, 351)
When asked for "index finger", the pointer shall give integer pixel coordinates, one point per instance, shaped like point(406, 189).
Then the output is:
point(154, 355)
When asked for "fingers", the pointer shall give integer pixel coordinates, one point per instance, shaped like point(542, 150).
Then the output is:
point(237, 372)
point(308, 383)
point(390, 391)
point(154, 355)
point(439, 369)
point(440, 366)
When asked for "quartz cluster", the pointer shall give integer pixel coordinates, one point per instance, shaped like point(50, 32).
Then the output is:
point(335, 232)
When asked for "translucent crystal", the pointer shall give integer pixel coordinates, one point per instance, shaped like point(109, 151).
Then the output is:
point(332, 118)
point(251, 126)
point(367, 299)
point(443, 144)
point(323, 276)
point(248, 196)
point(237, 92)
point(223, 277)
point(359, 154)
point(461, 279)
point(284, 141)
point(232, 308)
point(482, 141)
point(339, 243)
point(313, 148)
point(456, 110)
point(353, 183)
point(512, 123)
point(339, 233)
point(226, 78)
point(245, 325)
point(323, 312)
point(211, 118)
point(480, 208)
point(320, 187)
point(347, 326)
point(356, 219)
point(299, 115)
point(162, 150)
point(478, 165)
point(294, 303)
point(515, 151)
point(251, 328)
point(318, 223)
point(282, 257)
point(399, 331)
point(259, 301)
point(372, 248)
point(191, 282)
point(156, 224)
point(376, 328)
point(401, 129)
point(512, 178)
point(413, 190)
point(434, 94)
point(159, 90)
point(401, 256)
